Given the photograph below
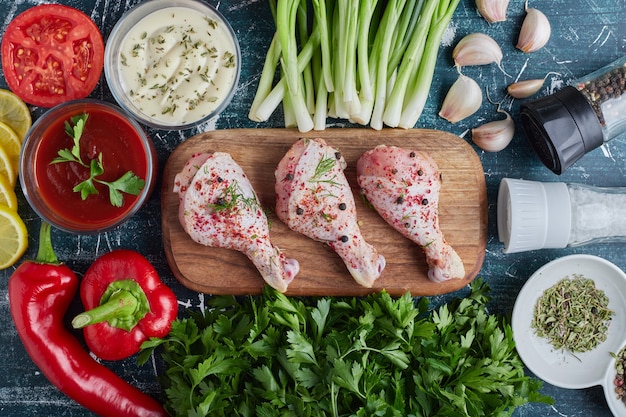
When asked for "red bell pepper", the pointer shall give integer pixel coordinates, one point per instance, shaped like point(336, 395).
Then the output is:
point(40, 293)
point(126, 303)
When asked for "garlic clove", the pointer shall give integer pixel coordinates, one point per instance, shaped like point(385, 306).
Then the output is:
point(526, 88)
point(463, 99)
point(535, 31)
point(494, 136)
point(477, 49)
point(492, 10)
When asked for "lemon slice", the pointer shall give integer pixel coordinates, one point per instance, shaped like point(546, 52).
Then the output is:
point(7, 170)
point(13, 237)
point(11, 144)
point(15, 113)
point(7, 195)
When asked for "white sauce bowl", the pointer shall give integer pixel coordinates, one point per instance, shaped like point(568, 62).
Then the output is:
point(172, 65)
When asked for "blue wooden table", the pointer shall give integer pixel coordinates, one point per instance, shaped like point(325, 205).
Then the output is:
point(586, 35)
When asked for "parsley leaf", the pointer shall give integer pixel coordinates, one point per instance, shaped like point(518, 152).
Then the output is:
point(75, 132)
point(128, 183)
point(88, 186)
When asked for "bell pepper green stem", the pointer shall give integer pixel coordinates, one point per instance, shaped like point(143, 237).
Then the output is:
point(122, 305)
point(45, 253)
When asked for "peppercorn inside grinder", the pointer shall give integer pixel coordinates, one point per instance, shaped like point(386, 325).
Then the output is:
point(577, 119)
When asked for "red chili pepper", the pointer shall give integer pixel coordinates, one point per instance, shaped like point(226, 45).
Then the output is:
point(40, 293)
point(126, 304)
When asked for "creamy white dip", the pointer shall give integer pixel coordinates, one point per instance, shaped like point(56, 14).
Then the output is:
point(177, 65)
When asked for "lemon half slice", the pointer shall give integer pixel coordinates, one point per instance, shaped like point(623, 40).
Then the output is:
point(13, 237)
point(11, 143)
point(7, 170)
point(7, 195)
point(15, 113)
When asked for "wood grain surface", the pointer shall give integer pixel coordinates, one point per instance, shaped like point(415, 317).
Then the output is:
point(462, 208)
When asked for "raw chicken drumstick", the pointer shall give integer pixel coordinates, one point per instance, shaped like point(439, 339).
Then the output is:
point(219, 208)
point(314, 198)
point(403, 186)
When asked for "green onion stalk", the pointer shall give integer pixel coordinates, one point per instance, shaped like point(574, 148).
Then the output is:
point(271, 101)
point(272, 58)
point(409, 66)
point(418, 93)
point(369, 61)
point(286, 18)
point(388, 27)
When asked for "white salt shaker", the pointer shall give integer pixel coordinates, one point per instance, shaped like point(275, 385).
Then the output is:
point(536, 215)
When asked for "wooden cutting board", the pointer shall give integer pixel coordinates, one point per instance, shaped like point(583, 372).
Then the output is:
point(462, 210)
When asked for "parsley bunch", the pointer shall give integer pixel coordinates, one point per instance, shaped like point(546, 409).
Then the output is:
point(373, 356)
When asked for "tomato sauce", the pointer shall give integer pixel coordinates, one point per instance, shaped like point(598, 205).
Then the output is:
point(105, 132)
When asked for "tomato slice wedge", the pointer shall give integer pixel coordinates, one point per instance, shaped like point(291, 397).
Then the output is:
point(52, 53)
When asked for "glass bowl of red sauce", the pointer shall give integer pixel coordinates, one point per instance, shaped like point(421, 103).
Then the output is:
point(96, 182)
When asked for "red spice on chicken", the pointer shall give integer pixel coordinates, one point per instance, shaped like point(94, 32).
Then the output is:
point(219, 208)
point(313, 198)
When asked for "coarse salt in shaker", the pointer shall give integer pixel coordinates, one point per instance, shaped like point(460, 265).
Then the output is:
point(566, 125)
point(535, 215)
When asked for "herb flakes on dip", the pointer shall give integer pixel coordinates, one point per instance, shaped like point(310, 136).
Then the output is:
point(172, 66)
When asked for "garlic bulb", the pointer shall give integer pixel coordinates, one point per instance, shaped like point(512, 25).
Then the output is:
point(462, 100)
point(535, 31)
point(492, 10)
point(477, 49)
point(494, 136)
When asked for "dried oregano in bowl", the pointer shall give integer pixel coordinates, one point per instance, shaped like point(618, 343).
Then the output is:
point(572, 314)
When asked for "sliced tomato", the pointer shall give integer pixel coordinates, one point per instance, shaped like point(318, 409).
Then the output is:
point(52, 53)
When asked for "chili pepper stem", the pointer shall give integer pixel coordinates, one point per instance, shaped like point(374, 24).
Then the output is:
point(123, 305)
point(45, 253)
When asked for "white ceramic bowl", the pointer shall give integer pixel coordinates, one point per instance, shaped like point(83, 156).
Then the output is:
point(618, 408)
point(558, 367)
point(172, 64)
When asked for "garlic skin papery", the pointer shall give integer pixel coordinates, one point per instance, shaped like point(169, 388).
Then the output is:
point(494, 136)
point(535, 31)
point(477, 49)
point(463, 99)
point(492, 10)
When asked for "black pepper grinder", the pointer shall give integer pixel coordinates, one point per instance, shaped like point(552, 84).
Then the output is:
point(566, 125)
